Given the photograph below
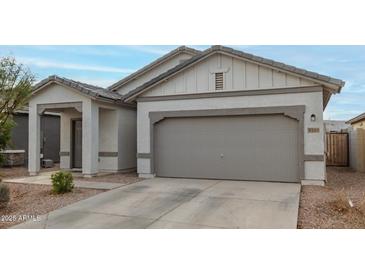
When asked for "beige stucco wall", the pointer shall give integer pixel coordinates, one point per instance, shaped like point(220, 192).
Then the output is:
point(108, 138)
point(65, 134)
point(127, 138)
point(313, 142)
point(359, 124)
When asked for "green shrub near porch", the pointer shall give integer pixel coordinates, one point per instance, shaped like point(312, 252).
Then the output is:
point(62, 182)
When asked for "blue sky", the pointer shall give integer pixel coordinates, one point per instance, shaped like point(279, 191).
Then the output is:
point(104, 65)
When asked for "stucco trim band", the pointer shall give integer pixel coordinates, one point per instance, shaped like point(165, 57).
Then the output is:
point(231, 94)
point(313, 157)
point(295, 112)
point(108, 154)
point(144, 155)
point(59, 106)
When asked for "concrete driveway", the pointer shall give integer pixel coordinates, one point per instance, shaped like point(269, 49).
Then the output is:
point(182, 203)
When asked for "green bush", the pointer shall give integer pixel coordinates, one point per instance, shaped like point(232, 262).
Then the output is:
point(4, 195)
point(62, 182)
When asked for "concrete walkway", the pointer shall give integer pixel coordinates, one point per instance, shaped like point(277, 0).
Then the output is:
point(44, 178)
point(182, 203)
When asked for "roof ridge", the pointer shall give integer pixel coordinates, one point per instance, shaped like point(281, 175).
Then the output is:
point(86, 85)
point(356, 118)
point(281, 65)
point(239, 53)
point(153, 63)
point(90, 90)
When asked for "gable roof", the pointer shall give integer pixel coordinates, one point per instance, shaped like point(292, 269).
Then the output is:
point(164, 58)
point(214, 49)
point(89, 90)
point(356, 119)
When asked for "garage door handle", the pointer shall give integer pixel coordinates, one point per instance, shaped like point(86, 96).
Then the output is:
point(222, 155)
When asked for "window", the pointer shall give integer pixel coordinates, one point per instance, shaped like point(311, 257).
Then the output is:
point(219, 81)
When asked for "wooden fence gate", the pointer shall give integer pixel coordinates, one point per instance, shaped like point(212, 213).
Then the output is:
point(337, 149)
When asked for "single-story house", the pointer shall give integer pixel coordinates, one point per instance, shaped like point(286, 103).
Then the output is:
point(214, 114)
point(358, 121)
point(357, 142)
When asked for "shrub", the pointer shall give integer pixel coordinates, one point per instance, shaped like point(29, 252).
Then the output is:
point(4, 195)
point(62, 182)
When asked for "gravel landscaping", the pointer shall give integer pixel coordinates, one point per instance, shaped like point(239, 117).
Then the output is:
point(29, 201)
point(340, 204)
point(329, 206)
point(13, 172)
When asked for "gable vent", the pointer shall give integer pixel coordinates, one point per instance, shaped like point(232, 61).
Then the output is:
point(218, 80)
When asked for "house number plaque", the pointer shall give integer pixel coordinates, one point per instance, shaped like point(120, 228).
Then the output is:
point(313, 129)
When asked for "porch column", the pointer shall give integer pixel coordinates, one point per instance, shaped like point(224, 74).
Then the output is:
point(90, 138)
point(34, 140)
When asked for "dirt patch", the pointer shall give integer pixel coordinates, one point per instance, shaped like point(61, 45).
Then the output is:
point(35, 200)
point(122, 178)
point(340, 204)
point(13, 172)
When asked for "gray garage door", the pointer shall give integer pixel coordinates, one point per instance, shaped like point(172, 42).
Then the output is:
point(260, 148)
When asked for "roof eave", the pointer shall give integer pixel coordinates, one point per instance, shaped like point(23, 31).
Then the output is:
point(356, 119)
point(80, 90)
point(150, 66)
point(333, 85)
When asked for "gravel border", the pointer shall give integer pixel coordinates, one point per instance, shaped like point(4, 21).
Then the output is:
point(30, 201)
point(14, 172)
point(320, 207)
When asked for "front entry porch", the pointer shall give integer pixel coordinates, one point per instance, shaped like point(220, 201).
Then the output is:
point(88, 133)
point(97, 130)
point(79, 136)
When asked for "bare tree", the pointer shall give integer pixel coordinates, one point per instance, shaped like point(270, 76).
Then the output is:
point(16, 82)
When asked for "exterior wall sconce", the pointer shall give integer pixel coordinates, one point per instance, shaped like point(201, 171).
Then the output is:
point(313, 117)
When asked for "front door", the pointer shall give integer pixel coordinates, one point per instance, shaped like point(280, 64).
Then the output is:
point(76, 144)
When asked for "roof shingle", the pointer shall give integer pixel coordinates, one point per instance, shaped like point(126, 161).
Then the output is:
point(279, 65)
point(87, 89)
point(356, 119)
point(151, 65)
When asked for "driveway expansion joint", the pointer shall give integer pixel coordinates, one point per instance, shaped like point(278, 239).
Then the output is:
point(191, 198)
point(228, 205)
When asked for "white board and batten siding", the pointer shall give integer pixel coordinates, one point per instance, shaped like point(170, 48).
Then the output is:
point(237, 75)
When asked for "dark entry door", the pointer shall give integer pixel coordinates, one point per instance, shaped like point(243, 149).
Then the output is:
point(76, 143)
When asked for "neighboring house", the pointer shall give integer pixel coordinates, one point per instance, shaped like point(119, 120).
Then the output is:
point(358, 121)
point(216, 114)
point(336, 126)
point(357, 142)
point(50, 135)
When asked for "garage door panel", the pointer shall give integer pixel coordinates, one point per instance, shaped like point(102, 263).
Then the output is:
point(261, 147)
